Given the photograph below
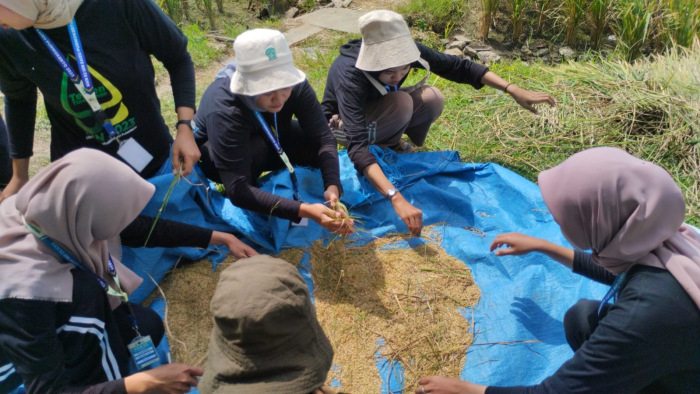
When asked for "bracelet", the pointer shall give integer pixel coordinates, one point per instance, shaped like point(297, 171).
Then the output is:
point(506, 89)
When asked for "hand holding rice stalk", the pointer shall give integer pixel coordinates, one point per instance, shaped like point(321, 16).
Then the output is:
point(338, 213)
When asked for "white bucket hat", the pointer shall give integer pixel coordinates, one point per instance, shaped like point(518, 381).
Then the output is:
point(264, 63)
point(386, 42)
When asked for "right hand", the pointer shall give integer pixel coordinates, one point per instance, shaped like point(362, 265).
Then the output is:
point(329, 219)
point(335, 123)
point(412, 216)
point(166, 379)
point(13, 187)
point(518, 244)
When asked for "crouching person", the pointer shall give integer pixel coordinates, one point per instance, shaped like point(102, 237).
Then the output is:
point(266, 338)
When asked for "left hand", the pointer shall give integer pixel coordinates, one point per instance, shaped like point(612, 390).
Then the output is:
point(237, 248)
point(331, 195)
point(527, 99)
point(443, 385)
point(185, 149)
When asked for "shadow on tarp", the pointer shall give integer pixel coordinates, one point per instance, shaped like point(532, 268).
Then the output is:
point(523, 298)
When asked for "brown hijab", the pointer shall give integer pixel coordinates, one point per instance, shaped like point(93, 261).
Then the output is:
point(82, 201)
point(627, 211)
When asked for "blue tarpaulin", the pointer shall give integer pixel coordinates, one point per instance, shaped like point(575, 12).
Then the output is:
point(518, 320)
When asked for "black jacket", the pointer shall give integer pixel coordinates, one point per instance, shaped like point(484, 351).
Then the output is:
point(348, 90)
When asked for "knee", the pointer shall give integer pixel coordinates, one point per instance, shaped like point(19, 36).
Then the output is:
point(401, 104)
point(577, 324)
point(434, 101)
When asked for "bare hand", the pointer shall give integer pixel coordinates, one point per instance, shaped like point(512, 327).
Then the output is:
point(12, 187)
point(442, 385)
point(331, 195)
point(335, 123)
point(527, 99)
point(185, 149)
point(412, 216)
point(518, 244)
point(237, 247)
point(333, 221)
point(166, 379)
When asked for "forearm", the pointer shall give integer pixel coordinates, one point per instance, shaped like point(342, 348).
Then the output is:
point(20, 169)
point(376, 177)
point(563, 255)
point(494, 81)
point(185, 113)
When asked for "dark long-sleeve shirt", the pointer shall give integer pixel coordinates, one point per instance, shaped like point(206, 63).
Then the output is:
point(649, 341)
point(30, 349)
point(348, 90)
point(118, 37)
point(228, 125)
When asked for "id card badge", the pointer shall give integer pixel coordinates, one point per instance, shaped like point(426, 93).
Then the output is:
point(302, 223)
point(144, 353)
point(134, 154)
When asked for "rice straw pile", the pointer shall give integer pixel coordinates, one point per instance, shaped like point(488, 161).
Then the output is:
point(409, 297)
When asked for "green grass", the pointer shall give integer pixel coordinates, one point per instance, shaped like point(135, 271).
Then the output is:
point(439, 16)
point(651, 109)
point(683, 21)
point(203, 54)
point(573, 14)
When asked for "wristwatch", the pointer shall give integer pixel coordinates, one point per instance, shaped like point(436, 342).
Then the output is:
point(189, 123)
point(391, 193)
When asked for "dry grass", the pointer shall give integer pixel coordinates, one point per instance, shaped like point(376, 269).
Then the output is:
point(409, 297)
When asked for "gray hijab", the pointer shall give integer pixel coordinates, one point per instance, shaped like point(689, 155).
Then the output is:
point(248, 101)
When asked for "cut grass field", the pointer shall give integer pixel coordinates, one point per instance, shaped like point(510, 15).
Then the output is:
point(650, 108)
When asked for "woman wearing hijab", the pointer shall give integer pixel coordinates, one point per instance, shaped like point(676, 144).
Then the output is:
point(106, 99)
point(65, 319)
point(246, 125)
point(266, 337)
point(629, 213)
point(366, 104)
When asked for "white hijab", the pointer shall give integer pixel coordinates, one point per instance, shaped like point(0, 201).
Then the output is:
point(46, 14)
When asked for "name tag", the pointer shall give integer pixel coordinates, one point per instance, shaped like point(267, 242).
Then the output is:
point(144, 353)
point(134, 154)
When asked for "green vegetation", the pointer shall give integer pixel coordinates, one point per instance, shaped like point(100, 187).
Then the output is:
point(203, 54)
point(573, 12)
point(517, 12)
point(489, 10)
point(542, 8)
point(651, 109)
point(438, 16)
point(599, 15)
point(634, 26)
point(683, 21)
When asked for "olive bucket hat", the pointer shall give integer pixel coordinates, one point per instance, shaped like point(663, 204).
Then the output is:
point(266, 338)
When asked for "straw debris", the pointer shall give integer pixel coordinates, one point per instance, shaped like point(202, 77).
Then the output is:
point(409, 297)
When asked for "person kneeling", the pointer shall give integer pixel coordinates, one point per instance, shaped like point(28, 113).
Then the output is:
point(246, 128)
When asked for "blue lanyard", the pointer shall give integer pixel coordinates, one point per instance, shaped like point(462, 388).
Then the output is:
point(275, 140)
point(388, 88)
point(83, 82)
point(619, 280)
point(65, 255)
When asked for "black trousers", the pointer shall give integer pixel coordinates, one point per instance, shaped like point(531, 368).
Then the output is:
point(300, 149)
point(5, 160)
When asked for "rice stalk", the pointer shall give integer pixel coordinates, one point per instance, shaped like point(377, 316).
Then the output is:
point(489, 10)
point(172, 8)
point(542, 8)
point(517, 12)
point(171, 188)
point(209, 11)
point(600, 13)
point(682, 22)
point(574, 11)
point(633, 26)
